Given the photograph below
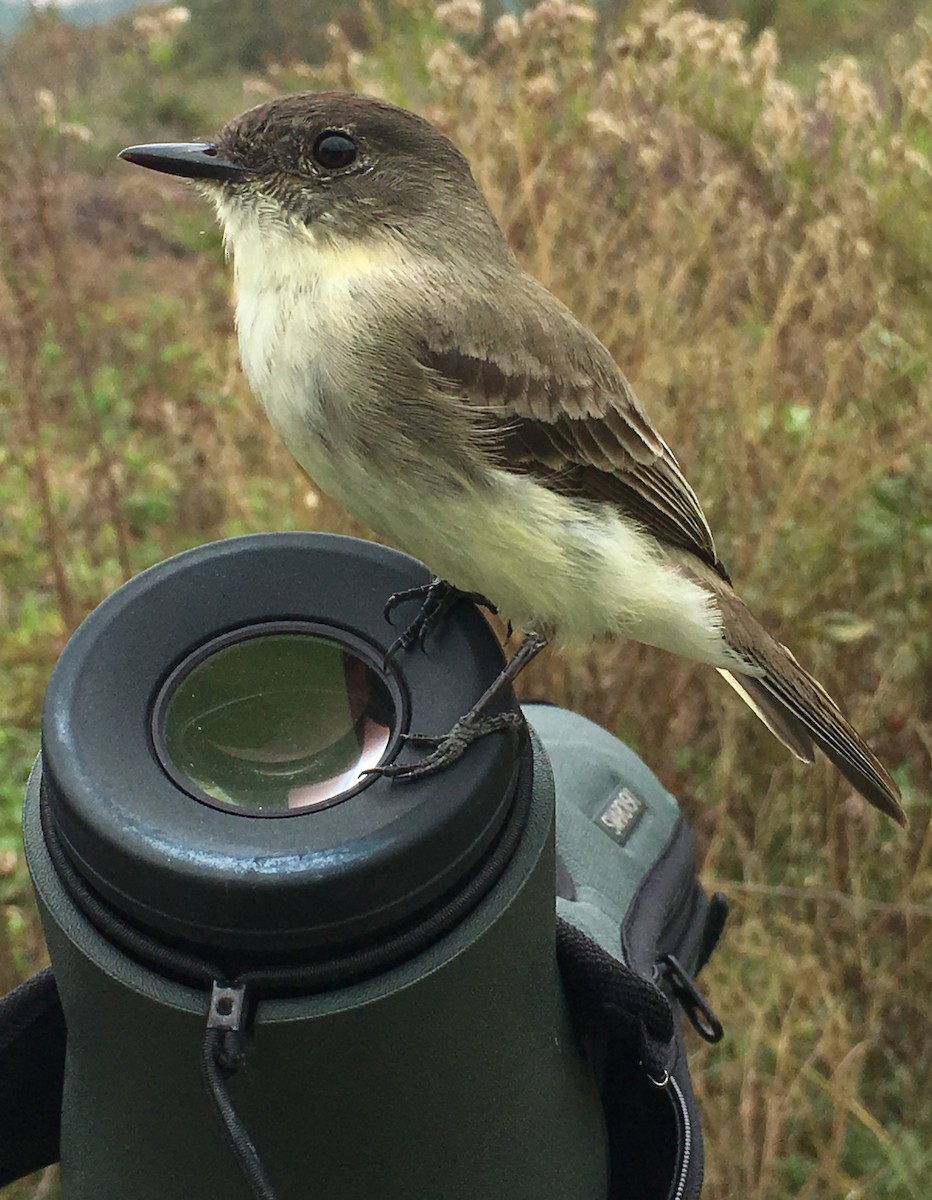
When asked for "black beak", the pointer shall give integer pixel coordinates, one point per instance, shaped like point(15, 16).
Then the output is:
point(192, 160)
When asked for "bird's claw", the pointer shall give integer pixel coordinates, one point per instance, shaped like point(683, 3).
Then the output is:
point(447, 748)
point(469, 728)
point(437, 598)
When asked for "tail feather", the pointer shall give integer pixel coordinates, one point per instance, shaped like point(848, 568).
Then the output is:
point(793, 705)
point(799, 711)
point(781, 723)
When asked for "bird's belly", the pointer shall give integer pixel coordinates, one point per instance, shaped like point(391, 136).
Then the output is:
point(471, 536)
point(545, 562)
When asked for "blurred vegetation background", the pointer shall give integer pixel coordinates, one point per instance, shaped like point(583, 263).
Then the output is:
point(739, 201)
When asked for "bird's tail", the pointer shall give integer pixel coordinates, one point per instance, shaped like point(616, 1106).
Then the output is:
point(799, 711)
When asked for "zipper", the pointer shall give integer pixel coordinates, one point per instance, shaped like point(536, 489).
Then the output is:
point(686, 1156)
point(678, 1100)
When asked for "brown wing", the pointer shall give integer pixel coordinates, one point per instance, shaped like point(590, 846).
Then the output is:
point(557, 406)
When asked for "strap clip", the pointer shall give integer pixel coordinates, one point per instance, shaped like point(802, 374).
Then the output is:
point(227, 1006)
point(701, 1014)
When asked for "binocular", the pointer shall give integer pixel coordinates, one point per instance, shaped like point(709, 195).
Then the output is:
point(283, 974)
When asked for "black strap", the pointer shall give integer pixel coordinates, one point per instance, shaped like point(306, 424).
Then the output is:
point(630, 1028)
point(632, 1015)
point(32, 1068)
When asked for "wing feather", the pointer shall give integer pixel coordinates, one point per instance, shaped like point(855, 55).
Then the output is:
point(555, 404)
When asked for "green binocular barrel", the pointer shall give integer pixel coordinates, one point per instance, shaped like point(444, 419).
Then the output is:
point(202, 744)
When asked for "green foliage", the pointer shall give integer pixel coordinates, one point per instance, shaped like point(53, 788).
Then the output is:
point(254, 33)
point(811, 30)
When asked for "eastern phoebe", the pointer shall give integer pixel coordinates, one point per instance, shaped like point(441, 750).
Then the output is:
point(443, 396)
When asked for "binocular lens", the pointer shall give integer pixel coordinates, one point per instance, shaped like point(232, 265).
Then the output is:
point(273, 723)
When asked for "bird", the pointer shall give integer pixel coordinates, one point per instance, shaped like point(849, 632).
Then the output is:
point(444, 397)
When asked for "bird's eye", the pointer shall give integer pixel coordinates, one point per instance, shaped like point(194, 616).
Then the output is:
point(333, 150)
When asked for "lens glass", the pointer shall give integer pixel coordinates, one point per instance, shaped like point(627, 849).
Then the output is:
point(275, 722)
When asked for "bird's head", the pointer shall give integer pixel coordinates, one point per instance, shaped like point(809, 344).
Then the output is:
point(333, 167)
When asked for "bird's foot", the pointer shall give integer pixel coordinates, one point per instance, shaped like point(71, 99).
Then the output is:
point(437, 598)
point(469, 728)
point(451, 746)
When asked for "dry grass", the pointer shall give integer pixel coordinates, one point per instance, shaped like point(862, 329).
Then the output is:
point(760, 263)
